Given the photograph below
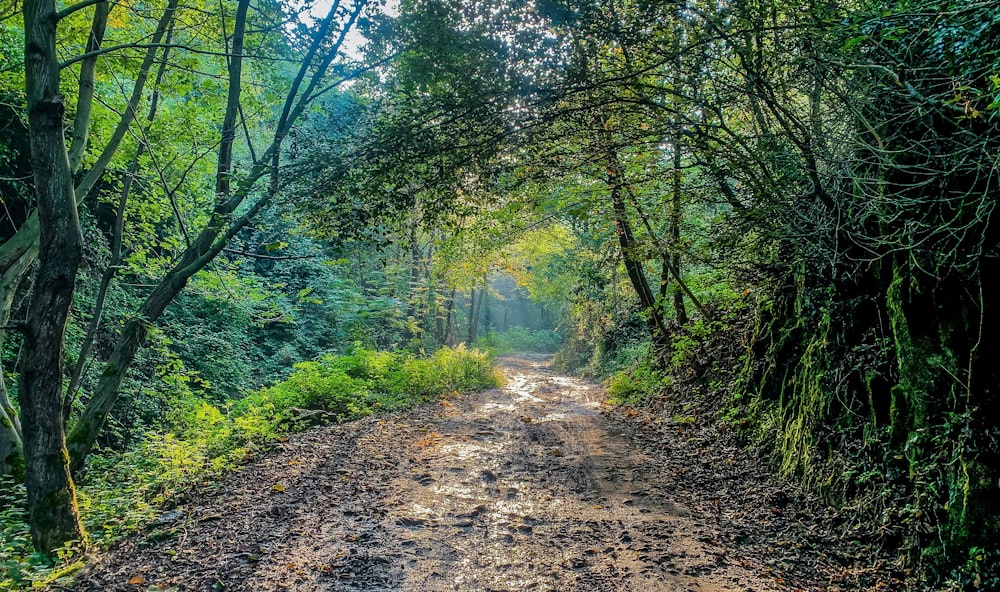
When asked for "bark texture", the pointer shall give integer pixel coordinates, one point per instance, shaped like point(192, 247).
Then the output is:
point(52, 512)
point(627, 243)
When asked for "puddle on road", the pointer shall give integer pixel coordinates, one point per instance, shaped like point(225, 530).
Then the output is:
point(544, 499)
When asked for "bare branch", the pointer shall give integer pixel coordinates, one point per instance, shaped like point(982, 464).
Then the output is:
point(267, 257)
point(77, 7)
point(189, 48)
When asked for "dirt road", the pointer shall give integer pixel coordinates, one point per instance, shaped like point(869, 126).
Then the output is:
point(529, 487)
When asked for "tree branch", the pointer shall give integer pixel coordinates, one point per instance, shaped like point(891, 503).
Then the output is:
point(104, 50)
point(267, 257)
point(76, 8)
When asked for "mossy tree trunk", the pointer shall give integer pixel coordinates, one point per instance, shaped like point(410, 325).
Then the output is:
point(52, 511)
point(674, 213)
point(18, 253)
point(11, 447)
point(223, 224)
point(201, 251)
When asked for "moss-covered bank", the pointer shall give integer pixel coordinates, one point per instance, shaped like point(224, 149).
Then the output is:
point(884, 404)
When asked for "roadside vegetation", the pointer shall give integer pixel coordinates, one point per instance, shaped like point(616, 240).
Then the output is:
point(125, 491)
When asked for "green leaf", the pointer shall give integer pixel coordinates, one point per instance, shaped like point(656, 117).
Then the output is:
point(854, 41)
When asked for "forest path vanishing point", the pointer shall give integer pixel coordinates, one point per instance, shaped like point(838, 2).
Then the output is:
point(529, 487)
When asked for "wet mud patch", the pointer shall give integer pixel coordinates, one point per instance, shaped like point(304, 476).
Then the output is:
point(531, 487)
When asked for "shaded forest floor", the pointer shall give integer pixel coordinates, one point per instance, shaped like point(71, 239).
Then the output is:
point(535, 486)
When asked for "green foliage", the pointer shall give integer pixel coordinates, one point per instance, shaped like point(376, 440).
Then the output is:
point(637, 384)
point(841, 164)
point(883, 425)
point(692, 369)
point(518, 339)
point(352, 386)
point(685, 344)
point(17, 563)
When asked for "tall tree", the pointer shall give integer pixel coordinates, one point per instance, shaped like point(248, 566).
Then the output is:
point(225, 221)
point(18, 253)
point(52, 510)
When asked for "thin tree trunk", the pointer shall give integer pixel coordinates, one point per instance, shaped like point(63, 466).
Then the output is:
point(11, 443)
point(116, 245)
point(87, 428)
point(128, 115)
point(52, 512)
point(472, 317)
point(19, 252)
point(219, 230)
point(85, 99)
point(484, 298)
point(666, 265)
point(475, 311)
point(11, 446)
point(412, 306)
point(438, 318)
point(449, 338)
point(636, 275)
point(674, 216)
point(429, 306)
point(627, 243)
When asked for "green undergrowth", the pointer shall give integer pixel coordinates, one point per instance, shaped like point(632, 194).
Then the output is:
point(518, 339)
point(866, 403)
point(693, 374)
point(122, 493)
point(633, 376)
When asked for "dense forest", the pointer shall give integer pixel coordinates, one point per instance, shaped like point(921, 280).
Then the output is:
point(224, 221)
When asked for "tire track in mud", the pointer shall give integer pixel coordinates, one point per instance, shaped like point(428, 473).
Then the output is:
point(528, 487)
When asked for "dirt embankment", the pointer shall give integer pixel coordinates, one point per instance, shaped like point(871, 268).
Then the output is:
point(530, 487)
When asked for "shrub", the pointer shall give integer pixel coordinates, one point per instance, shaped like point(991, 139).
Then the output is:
point(636, 384)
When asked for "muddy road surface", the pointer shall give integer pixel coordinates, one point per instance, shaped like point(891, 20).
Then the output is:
point(529, 487)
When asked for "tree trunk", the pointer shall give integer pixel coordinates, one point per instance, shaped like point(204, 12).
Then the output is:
point(413, 313)
point(485, 319)
point(52, 513)
point(667, 268)
point(674, 215)
point(627, 243)
point(438, 319)
point(201, 251)
point(449, 321)
point(85, 98)
point(128, 116)
point(473, 328)
point(11, 444)
point(221, 227)
point(116, 244)
point(17, 254)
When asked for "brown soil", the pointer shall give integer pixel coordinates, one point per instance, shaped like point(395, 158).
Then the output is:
point(532, 487)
